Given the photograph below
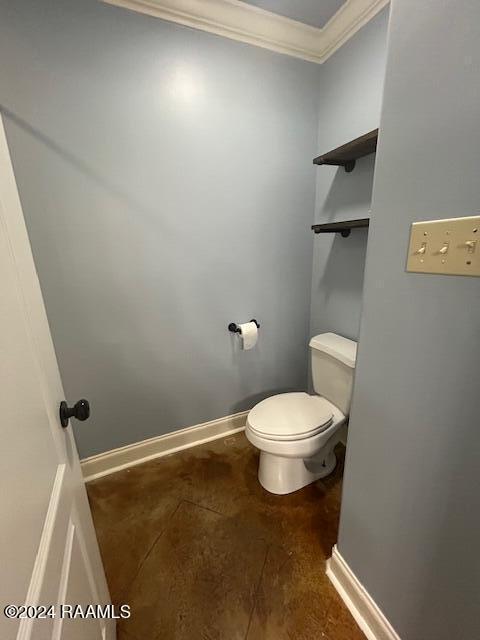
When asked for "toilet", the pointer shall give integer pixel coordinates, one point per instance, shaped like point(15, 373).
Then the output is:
point(297, 432)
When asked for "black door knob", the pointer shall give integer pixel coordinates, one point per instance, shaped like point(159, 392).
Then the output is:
point(80, 411)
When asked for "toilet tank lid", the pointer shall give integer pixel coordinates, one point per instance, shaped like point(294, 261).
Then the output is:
point(338, 347)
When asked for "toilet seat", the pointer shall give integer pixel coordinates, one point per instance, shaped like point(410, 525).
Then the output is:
point(290, 416)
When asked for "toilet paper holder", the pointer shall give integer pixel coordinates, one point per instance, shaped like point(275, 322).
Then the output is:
point(233, 327)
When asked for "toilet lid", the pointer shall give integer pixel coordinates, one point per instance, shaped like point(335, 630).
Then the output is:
point(290, 416)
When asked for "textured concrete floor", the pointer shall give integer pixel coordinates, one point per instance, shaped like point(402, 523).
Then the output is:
point(200, 551)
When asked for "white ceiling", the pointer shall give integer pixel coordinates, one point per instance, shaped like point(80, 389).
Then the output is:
point(316, 13)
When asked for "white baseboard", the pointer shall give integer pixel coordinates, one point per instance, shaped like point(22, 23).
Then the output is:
point(360, 604)
point(117, 459)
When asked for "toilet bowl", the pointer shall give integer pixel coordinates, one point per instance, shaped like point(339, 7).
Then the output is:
point(297, 432)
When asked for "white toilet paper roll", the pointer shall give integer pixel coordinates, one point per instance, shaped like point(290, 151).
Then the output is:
point(249, 334)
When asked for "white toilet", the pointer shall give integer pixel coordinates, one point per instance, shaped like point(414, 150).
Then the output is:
point(296, 432)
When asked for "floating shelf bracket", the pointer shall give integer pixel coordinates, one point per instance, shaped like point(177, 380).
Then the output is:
point(347, 155)
point(344, 228)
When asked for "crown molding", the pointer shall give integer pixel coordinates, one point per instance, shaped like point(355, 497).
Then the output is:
point(246, 23)
point(344, 24)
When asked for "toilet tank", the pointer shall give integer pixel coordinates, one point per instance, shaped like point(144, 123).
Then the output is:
point(333, 366)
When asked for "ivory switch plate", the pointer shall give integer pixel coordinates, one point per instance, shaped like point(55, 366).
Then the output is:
point(449, 247)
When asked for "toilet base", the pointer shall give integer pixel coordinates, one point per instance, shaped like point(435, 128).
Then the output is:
point(285, 475)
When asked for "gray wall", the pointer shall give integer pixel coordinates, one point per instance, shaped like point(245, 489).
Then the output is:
point(351, 85)
point(410, 521)
point(167, 185)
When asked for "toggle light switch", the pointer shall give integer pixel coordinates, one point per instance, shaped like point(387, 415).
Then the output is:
point(444, 249)
point(451, 248)
point(422, 249)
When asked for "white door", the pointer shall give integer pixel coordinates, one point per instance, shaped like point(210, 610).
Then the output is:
point(48, 549)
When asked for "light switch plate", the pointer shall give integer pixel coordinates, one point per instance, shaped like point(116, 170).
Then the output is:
point(448, 247)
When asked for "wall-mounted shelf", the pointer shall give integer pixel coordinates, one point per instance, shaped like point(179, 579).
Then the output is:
point(343, 228)
point(346, 155)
